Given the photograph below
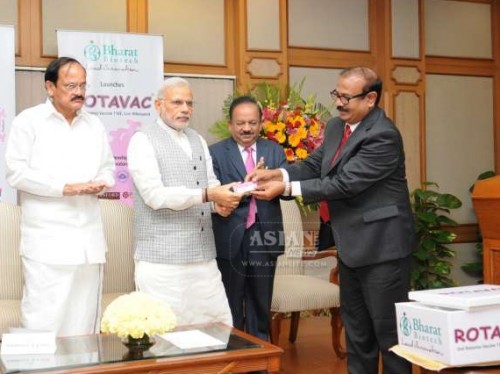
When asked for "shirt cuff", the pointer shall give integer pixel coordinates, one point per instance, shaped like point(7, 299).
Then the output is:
point(284, 173)
point(296, 189)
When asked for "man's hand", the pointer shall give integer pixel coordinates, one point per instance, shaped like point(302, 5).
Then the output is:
point(269, 190)
point(264, 175)
point(89, 188)
point(222, 210)
point(224, 196)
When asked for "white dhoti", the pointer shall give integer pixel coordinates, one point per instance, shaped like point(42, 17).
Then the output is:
point(194, 291)
point(64, 299)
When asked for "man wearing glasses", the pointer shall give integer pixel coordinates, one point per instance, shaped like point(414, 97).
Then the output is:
point(360, 171)
point(58, 157)
point(174, 184)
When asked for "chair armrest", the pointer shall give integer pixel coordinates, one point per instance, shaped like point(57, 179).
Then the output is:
point(311, 255)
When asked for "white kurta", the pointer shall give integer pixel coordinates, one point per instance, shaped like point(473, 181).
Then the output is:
point(43, 154)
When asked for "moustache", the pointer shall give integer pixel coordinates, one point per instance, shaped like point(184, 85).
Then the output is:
point(342, 109)
point(78, 97)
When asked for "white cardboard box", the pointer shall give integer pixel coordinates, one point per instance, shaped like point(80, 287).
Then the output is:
point(451, 336)
point(465, 297)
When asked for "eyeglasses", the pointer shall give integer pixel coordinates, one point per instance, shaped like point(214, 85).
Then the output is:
point(179, 103)
point(344, 99)
point(73, 87)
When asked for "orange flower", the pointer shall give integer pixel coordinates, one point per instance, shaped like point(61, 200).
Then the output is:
point(301, 153)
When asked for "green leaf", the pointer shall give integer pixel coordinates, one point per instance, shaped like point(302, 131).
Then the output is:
point(449, 201)
point(220, 128)
point(428, 244)
point(428, 217)
point(444, 237)
point(443, 220)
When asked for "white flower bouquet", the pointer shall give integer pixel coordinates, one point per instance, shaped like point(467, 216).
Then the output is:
point(137, 314)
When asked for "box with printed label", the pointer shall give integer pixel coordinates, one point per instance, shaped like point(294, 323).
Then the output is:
point(451, 336)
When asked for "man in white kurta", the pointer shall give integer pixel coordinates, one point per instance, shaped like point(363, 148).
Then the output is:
point(58, 158)
point(174, 182)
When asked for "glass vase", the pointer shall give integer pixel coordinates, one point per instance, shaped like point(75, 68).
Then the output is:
point(137, 346)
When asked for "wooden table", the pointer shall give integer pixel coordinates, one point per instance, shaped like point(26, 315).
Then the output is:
point(243, 353)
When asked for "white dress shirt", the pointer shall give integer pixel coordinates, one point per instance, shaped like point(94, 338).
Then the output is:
point(144, 169)
point(43, 154)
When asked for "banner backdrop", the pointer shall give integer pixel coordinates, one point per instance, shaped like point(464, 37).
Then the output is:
point(7, 103)
point(123, 73)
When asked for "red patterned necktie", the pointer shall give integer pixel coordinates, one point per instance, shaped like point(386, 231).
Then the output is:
point(323, 205)
point(347, 133)
point(249, 166)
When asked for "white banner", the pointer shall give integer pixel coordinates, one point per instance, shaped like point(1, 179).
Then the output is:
point(124, 72)
point(7, 103)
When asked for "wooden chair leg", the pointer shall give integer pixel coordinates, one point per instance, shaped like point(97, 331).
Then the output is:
point(275, 327)
point(337, 325)
point(294, 327)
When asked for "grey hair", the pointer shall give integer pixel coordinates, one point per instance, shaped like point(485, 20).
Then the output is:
point(171, 82)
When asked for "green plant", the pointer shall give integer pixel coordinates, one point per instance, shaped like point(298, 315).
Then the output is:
point(431, 259)
point(475, 268)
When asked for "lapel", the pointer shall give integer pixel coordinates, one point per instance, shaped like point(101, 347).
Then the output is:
point(358, 135)
point(234, 154)
point(331, 142)
point(262, 151)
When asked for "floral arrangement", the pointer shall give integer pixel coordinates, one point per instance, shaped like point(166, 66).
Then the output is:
point(298, 127)
point(296, 123)
point(137, 314)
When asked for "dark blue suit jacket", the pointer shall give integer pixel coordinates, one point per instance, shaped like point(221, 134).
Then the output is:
point(229, 167)
point(366, 190)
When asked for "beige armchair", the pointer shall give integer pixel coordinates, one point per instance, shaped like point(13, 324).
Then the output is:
point(11, 279)
point(117, 220)
point(294, 290)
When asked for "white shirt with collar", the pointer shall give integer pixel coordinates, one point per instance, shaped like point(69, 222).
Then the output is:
point(244, 154)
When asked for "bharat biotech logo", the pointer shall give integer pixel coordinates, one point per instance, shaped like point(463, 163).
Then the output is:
point(405, 325)
point(109, 52)
point(92, 52)
point(418, 328)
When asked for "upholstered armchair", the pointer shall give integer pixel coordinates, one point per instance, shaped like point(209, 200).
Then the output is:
point(294, 290)
point(117, 220)
point(11, 279)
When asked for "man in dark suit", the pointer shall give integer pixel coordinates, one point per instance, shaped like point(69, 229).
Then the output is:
point(362, 176)
point(249, 240)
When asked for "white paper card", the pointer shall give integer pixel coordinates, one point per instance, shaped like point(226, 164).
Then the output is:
point(245, 187)
point(191, 339)
point(29, 343)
